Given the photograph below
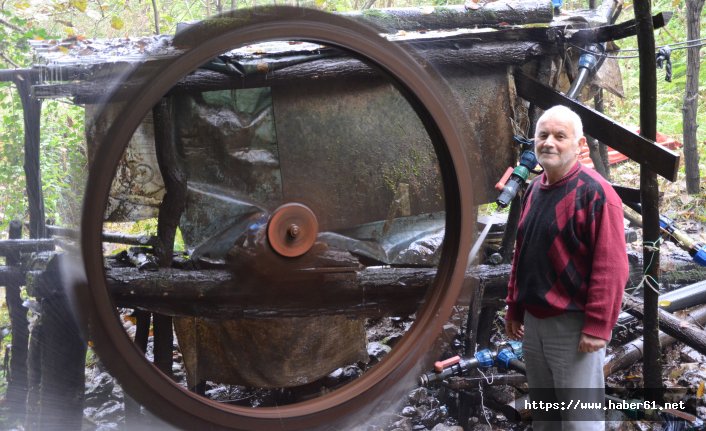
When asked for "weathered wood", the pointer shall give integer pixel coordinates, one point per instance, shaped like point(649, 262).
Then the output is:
point(649, 198)
point(462, 383)
point(34, 377)
point(11, 275)
point(473, 319)
point(598, 151)
point(691, 97)
point(340, 68)
point(631, 352)
point(683, 331)
point(32, 110)
point(216, 293)
point(133, 417)
point(615, 31)
point(16, 395)
point(663, 161)
point(9, 246)
point(451, 17)
point(111, 237)
point(63, 357)
point(163, 342)
point(174, 177)
point(170, 210)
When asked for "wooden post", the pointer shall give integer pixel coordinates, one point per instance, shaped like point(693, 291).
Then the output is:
point(63, 355)
point(32, 108)
point(544, 74)
point(170, 211)
point(650, 206)
point(691, 97)
point(16, 396)
point(133, 420)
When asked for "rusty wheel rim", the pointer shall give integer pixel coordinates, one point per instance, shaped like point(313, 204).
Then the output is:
point(174, 403)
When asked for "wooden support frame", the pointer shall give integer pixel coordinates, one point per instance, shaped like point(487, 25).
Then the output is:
point(661, 160)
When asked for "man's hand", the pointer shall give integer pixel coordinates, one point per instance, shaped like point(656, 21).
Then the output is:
point(590, 344)
point(514, 329)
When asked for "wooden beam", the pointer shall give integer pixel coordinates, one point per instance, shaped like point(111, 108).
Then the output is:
point(25, 245)
point(615, 31)
point(650, 155)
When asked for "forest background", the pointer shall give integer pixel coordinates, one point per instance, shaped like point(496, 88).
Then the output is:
point(63, 146)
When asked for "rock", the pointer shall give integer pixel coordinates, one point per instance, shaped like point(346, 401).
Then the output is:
point(111, 411)
point(110, 426)
point(688, 354)
point(443, 427)
point(433, 417)
point(99, 389)
point(418, 397)
point(419, 427)
point(404, 424)
point(481, 427)
point(342, 375)
point(377, 351)
point(410, 412)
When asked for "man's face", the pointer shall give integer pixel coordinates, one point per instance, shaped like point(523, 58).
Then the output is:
point(556, 146)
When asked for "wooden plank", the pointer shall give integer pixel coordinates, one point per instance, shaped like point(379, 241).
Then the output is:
point(652, 156)
point(616, 31)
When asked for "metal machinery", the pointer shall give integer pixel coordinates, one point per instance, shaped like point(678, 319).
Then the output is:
point(277, 261)
point(345, 190)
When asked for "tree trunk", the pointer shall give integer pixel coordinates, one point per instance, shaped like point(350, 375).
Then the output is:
point(691, 153)
point(649, 197)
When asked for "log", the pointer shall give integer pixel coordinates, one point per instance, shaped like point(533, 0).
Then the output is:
point(678, 299)
point(216, 293)
point(111, 237)
point(8, 246)
point(685, 332)
point(373, 291)
point(632, 352)
point(174, 177)
point(451, 17)
point(11, 275)
point(62, 357)
point(32, 113)
point(340, 68)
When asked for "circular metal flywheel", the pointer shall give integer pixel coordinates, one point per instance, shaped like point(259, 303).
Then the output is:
point(293, 227)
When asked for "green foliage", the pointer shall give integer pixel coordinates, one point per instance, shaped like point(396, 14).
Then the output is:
point(670, 99)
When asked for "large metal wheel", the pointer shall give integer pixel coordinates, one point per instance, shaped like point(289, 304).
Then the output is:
point(433, 106)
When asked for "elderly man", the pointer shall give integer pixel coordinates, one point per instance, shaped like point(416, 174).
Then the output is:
point(568, 274)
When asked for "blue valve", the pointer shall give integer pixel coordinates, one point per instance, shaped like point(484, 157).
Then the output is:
point(484, 358)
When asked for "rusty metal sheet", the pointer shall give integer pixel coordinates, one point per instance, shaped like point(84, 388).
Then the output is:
point(356, 152)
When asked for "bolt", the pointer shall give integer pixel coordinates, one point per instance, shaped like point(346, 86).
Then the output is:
point(293, 230)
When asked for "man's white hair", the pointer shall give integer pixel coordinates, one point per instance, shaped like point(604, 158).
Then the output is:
point(561, 111)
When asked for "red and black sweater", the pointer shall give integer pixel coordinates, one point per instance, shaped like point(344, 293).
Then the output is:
point(570, 252)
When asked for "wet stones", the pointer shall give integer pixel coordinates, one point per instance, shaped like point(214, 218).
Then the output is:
point(376, 351)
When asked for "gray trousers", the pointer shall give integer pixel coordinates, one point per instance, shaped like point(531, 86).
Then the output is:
point(562, 377)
